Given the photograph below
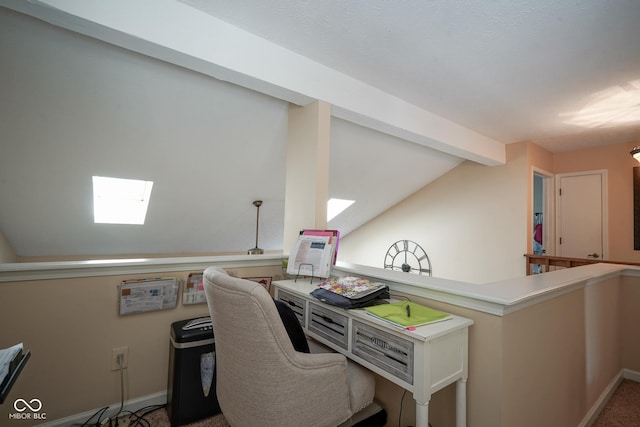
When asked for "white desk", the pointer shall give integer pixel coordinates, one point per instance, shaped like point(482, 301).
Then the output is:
point(422, 361)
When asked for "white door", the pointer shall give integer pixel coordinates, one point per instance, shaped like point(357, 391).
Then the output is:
point(581, 201)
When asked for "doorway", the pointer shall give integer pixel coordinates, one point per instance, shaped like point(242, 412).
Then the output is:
point(542, 216)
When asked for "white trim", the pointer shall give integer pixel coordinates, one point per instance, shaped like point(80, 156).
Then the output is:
point(628, 374)
point(15, 272)
point(497, 298)
point(549, 206)
point(132, 405)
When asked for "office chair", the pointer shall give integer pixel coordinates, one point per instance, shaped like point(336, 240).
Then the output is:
point(261, 380)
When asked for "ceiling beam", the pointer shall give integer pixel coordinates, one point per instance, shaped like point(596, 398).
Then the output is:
point(175, 32)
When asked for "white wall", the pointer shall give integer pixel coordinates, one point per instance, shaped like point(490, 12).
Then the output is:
point(471, 222)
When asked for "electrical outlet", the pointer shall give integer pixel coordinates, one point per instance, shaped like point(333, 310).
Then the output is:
point(119, 356)
point(123, 422)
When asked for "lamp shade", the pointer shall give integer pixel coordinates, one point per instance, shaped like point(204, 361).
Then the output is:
point(636, 153)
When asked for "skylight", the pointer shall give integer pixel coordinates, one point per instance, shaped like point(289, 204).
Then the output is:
point(336, 206)
point(120, 201)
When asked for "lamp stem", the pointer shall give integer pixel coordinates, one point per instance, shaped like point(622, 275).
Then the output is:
point(256, 250)
point(257, 222)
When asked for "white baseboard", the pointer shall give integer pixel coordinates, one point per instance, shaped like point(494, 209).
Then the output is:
point(132, 405)
point(631, 375)
point(601, 402)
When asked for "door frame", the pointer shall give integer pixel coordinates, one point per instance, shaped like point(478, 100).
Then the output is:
point(604, 201)
point(548, 210)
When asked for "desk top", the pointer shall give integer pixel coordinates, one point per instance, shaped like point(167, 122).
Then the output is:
point(302, 287)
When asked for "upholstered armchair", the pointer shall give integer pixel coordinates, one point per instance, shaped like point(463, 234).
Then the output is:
point(261, 380)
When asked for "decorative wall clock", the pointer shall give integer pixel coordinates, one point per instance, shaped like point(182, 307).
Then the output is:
point(407, 256)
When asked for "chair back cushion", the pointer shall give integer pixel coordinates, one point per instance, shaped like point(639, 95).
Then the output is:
point(261, 380)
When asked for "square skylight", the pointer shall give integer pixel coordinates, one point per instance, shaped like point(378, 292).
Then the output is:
point(120, 201)
point(336, 206)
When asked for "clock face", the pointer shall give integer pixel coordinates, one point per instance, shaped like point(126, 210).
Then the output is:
point(407, 256)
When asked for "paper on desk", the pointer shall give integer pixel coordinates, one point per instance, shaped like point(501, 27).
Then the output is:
point(407, 313)
point(311, 256)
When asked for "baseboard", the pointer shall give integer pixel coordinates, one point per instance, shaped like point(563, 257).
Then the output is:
point(132, 405)
point(601, 402)
point(628, 374)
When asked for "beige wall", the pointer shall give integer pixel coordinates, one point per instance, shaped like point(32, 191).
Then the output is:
point(71, 326)
point(543, 365)
point(475, 222)
point(629, 321)
point(471, 222)
point(560, 356)
point(619, 164)
point(544, 362)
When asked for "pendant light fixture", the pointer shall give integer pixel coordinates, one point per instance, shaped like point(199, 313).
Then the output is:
point(256, 250)
point(636, 153)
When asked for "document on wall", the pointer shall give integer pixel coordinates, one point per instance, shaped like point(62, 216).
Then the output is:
point(141, 295)
point(311, 256)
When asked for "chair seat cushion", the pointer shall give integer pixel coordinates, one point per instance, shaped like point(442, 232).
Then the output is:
point(362, 382)
point(362, 386)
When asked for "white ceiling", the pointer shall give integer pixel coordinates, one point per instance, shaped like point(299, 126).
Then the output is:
point(509, 69)
point(457, 80)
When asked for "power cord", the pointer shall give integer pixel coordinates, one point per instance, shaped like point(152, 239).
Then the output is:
point(136, 418)
point(140, 418)
point(400, 414)
point(120, 363)
point(99, 413)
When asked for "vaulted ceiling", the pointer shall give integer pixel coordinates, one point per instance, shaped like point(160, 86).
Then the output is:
point(194, 95)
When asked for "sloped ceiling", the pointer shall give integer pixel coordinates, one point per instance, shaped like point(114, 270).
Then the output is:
point(74, 106)
point(512, 70)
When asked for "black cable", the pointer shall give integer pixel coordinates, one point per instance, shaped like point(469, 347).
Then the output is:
point(400, 414)
point(402, 297)
point(141, 418)
point(121, 390)
point(99, 412)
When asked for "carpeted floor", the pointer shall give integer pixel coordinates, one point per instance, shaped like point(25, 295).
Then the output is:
point(622, 410)
point(159, 418)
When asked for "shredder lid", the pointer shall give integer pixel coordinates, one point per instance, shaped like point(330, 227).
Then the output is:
point(189, 330)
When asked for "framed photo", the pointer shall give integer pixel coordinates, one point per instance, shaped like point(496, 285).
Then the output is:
point(264, 281)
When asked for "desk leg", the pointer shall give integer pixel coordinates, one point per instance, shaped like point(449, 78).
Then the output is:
point(422, 414)
point(461, 402)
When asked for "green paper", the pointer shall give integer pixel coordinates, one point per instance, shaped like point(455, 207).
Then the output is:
point(416, 314)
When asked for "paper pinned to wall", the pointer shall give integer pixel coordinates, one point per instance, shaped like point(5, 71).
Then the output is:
point(139, 296)
point(193, 292)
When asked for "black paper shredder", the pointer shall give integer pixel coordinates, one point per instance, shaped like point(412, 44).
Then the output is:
point(191, 394)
